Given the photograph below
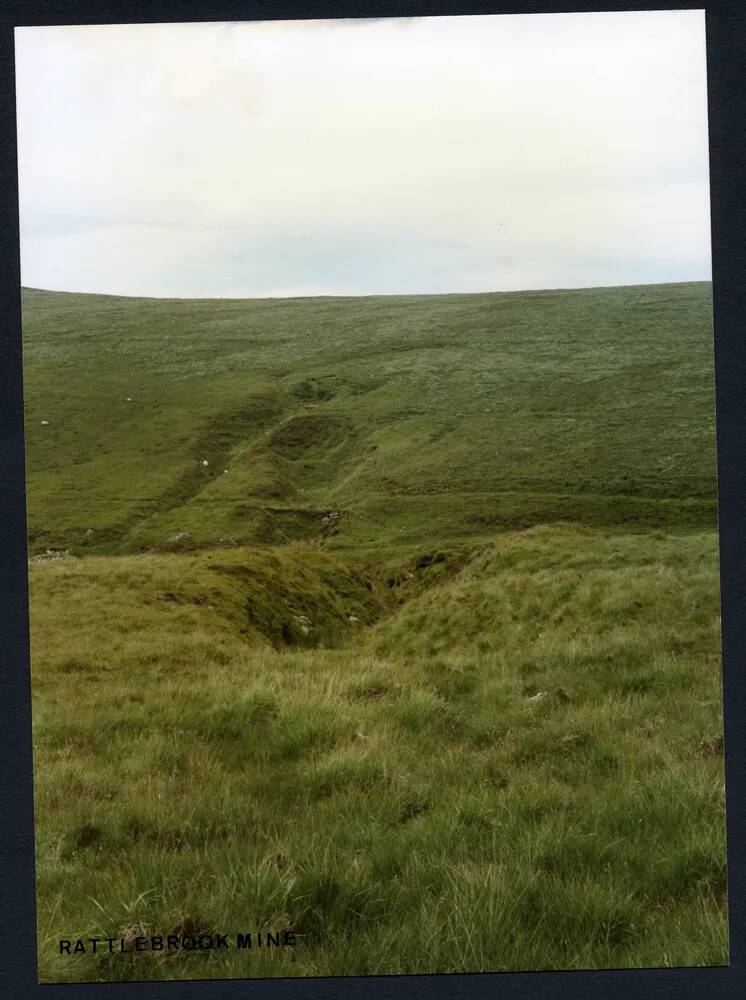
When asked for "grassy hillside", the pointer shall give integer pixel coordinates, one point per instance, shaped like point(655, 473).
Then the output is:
point(429, 676)
point(414, 418)
point(518, 768)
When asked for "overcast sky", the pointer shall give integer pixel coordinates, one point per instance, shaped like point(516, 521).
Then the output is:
point(443, 154)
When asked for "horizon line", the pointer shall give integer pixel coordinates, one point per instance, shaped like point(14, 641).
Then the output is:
point(363, 295)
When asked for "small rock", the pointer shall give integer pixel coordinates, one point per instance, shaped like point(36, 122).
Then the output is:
point(179, 536)
point(50, 554)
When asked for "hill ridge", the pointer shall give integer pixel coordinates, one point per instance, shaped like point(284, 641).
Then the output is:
point(414, 417)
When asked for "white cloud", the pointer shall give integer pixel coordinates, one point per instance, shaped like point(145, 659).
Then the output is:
point(389, 155)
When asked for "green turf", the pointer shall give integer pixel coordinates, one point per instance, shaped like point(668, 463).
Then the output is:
point(471, 723)
point(415, 418)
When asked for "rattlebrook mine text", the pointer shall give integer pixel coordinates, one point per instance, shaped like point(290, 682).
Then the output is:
point(177, 942)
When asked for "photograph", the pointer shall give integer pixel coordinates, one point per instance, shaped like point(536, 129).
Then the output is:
point(371, 496)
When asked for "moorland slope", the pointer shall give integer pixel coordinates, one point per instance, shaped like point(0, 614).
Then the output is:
point(385, 621)
point(221, 422)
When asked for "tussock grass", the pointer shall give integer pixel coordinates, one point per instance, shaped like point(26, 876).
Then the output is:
point(399, 811)
point(392, 622)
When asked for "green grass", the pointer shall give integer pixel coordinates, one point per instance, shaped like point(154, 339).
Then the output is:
point(415, 418)
point(472, 724)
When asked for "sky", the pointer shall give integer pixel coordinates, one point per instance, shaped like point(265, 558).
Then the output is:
point(374, 156)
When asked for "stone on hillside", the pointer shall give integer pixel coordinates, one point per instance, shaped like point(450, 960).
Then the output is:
point(178, 536)
point(50, 554)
